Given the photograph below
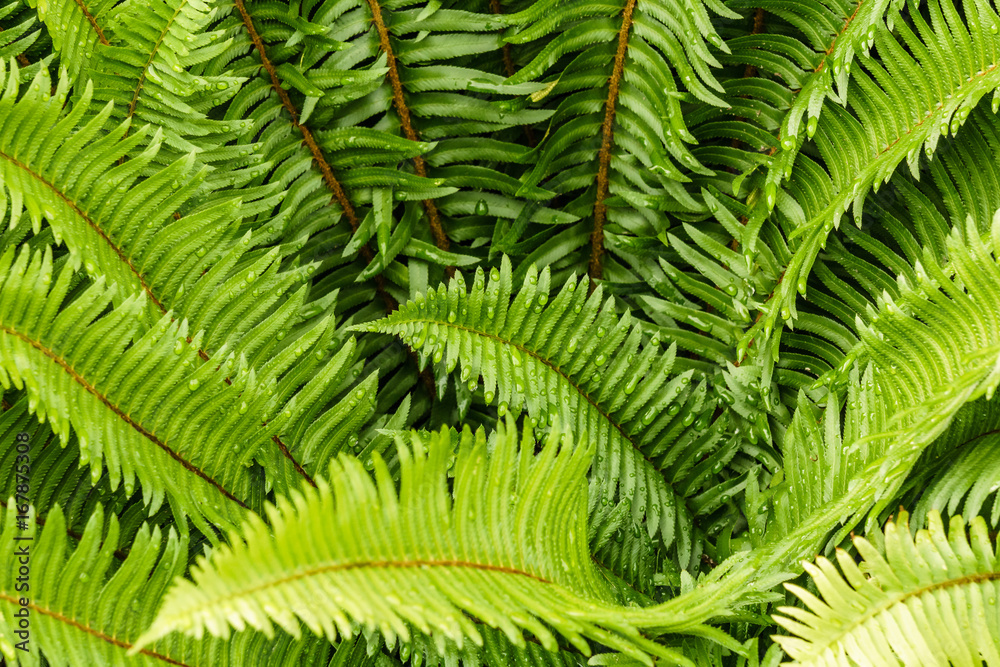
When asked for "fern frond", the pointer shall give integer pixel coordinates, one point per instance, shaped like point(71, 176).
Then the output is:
point(124, 228)
point(923, 88)
point(837, 32)
point(927, 599)
point(73, 357)
point(59, 481)
point(421, 561)
point(84, 611)
point(618, 136)
point(593, 372)
point(76, 28)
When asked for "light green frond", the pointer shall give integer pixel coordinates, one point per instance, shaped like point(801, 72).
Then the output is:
point(507, 547)
point(935, 349)
point(129, 229)
point(83, 609)
point(927, 81)
point(958, 474)
point(929, 599)
point(577, 361)
point(822, 458)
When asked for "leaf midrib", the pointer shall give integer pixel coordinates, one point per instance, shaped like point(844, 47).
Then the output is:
point(374, 564)
point(79, 379)
point(83, 215)
point(89, 630)
point(549, 364)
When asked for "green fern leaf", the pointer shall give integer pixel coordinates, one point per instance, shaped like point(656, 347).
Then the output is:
point(945, 81)
point(420, 561)
point(68, 358)
point(84, 611)
point(592, 372)
point(929, 599)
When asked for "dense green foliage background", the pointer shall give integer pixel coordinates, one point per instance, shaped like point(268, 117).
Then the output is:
point(288, 291)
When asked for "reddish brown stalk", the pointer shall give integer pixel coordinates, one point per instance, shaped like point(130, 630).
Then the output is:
point(826, 54)
point(758, 28)
point(596, 268)
point(288, 455)
point(329, 179)
point(847, 24)
point(399, 101)
point(93, 22)
point(324, 167)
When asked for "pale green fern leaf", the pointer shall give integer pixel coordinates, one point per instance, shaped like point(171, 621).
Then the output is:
point(508, 547)
point(929, 600)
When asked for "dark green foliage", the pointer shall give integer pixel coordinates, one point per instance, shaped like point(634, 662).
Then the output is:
point(500, 332)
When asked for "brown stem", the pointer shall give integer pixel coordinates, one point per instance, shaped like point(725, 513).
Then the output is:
point(399, 101)
point(329, 179)
point(324, 167)
point(93, 22)
point(596, 267)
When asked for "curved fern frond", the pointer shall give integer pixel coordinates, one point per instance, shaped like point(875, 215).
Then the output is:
point(426, 560)
point(73, 357)
point(924, 87)
point(577, 361)
point(823, 456)
point(924, 356)
point(959, 473)
point(124, 228)
point(929, 599)
point(837, 31)
point(83, 611)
